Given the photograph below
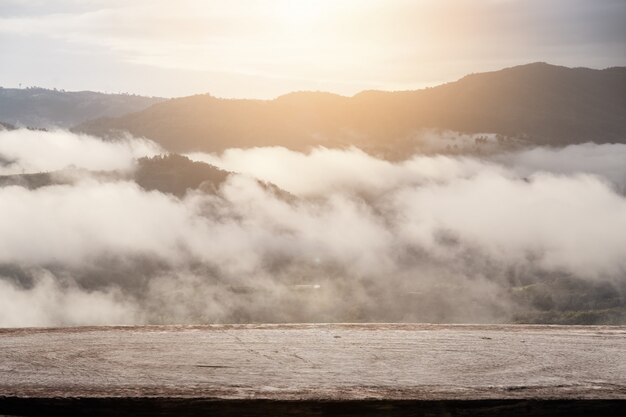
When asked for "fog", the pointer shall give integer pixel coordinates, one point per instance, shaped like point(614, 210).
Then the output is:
point(606, 161)
point(353, 237)
point(26, 151)
point(323, 170)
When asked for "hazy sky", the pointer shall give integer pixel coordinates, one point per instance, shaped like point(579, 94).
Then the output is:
point(264, 48)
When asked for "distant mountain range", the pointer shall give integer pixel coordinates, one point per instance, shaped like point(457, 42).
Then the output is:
point(536, 103)
point(541, 103)
point(42, 108)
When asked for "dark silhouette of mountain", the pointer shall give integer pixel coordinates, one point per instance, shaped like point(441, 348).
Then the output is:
point(542, 103)
point(171, 173)
point(42, 108)
point(6, 126)
point(30, 181)
point(175, 174)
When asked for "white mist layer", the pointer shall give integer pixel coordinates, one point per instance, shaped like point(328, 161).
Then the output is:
point(26, 151)
point(572, 223)
point(50, 303)
point(326, 170)
point(432, 238)
point(607, 160)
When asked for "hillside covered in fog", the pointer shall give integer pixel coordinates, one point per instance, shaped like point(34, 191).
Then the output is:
point(538, 104)
point(118, 231)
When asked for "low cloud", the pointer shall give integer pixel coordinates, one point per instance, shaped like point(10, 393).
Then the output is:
point(26, 151)
point(51, 302)
point(324, 170)
point(431, 238)
point(606, 161)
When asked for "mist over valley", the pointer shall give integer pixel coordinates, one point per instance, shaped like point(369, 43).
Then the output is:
point(120, 231)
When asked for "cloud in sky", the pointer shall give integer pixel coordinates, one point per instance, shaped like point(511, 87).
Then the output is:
point(264, 48)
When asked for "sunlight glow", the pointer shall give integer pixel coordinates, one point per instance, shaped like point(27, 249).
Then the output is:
point(298, 12)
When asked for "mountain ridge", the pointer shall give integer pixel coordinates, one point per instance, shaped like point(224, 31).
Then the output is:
point(45, 108)
point(547, 104)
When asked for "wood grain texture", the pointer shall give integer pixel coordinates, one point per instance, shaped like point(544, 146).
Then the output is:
point(314, 364)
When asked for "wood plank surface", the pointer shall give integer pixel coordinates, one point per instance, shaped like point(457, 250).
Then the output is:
point(314, 363)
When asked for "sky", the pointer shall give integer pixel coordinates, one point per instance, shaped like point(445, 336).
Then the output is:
point(265, 48)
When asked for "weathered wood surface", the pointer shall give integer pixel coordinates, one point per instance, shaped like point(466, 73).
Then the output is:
point(328, 363)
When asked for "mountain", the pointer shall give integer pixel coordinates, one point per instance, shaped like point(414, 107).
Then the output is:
point(6, 126)
point(542, 103)
point(42, 108)
point(176, 174)
point(172, 174)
